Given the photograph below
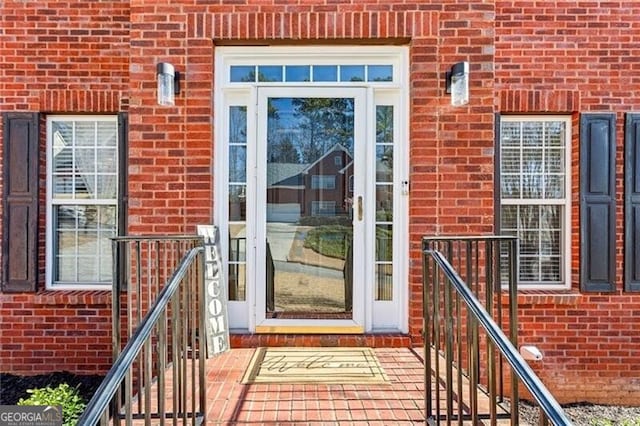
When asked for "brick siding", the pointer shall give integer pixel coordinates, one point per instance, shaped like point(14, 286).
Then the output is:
point(525, 56)
point(569, 58)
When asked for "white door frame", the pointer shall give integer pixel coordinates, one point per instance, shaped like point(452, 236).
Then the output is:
point(379, 315)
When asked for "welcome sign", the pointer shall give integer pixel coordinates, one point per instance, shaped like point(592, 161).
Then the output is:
point(217, 325)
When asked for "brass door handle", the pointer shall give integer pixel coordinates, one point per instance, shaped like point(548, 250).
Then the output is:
point(360, 209)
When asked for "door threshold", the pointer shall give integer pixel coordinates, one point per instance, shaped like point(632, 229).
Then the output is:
point(309, 329)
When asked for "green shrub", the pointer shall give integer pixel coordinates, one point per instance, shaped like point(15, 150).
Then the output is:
point(64, 395)
point(329, 240)
point(627, 422)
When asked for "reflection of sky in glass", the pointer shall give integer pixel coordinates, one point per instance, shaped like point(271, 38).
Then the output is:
point(352, 73)
point(380, 73)
point(309, 127)
point(238, 124)
point(298, 73)
point(242, 73)
point(270, 73)
point(325, 73)
point(237, 163)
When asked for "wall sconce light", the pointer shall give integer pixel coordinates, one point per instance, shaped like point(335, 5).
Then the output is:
point(458, 83)
point(168, 83)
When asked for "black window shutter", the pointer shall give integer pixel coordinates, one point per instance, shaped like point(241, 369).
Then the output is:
point(597, 201)
point(20, 202)
point(632, 203)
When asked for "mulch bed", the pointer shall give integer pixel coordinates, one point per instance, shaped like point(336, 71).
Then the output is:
point(13, 387)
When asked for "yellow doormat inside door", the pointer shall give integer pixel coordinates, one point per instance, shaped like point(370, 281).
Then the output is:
point(314, 365)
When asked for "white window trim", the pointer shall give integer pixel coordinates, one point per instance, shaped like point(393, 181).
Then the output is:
point(566, 217)
point(49, 237)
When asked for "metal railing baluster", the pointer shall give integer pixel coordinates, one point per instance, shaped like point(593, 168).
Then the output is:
point(159, 324)
point(452, 304)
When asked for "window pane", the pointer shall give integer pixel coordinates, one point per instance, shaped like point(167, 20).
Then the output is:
point(237, 163)
point(83, 245)
point(384, 281)
point(384, 243)
point(550, 217)
point(85, 133)
point(384, 163)
point(510, 134)
point(510, 161)
point(554, 133)
point(380, 73)
point(298, 73)
point(107, 133)
point(237, 203)
point(554, 187)
point(384, 203)
point(107, 186)
point(242, 73)
point(63, 186)
point(66, 270)
point(384, 265)
point(270, 73)
point(550, 269)
point(107, 160)
point(532, 134)
point(384, 124)
point(325, 73)
point(509, 218)
point(540, 240)
point(238, 124)
point(510, 186)
point(352, 73)
point(237, 261)
point(554, 160)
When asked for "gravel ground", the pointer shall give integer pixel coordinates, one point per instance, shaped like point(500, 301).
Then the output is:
point(585, 414)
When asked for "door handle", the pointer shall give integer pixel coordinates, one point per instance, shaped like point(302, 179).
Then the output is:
point(360, 208)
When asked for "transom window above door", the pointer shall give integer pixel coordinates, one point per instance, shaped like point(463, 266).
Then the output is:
point(311, 73)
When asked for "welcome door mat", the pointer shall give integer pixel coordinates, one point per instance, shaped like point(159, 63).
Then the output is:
point(314, 365)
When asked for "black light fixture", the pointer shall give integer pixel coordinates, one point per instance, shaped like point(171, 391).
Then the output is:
point(168, 83)
point(457, 81)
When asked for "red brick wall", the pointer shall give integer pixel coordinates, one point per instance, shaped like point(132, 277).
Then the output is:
point(525, 56)
point(451, 148)
point(569, 58)
point(67, 57)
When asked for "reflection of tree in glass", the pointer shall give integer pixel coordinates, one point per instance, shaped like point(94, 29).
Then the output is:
point(384, 124)
point(238, 124)
point(324, 122)
point(283, 151)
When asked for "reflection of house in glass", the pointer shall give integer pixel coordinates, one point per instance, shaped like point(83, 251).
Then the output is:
point(322, 188)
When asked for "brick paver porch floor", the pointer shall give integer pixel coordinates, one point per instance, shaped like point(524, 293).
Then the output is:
point(399, 402)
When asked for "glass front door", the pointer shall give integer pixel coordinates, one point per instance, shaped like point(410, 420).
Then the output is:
point(310, 208)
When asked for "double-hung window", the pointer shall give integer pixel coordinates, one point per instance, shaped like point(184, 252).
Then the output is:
point(535, 196)
point(82, 199)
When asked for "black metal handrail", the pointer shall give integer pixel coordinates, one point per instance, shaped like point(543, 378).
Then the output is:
point(452, 318)
point(186, 335)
